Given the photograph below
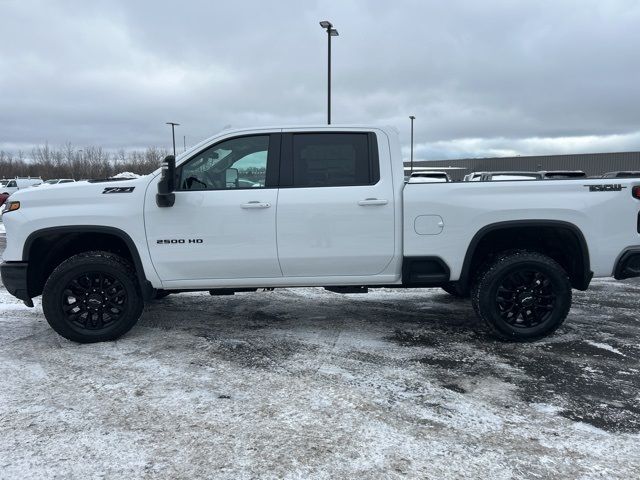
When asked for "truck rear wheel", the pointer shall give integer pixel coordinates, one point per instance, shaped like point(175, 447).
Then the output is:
point(522, 296)
point(92, 297)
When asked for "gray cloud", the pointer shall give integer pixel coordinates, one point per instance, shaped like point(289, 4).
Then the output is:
point(490, 77)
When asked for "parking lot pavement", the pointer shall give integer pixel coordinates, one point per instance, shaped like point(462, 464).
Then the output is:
point(310, 384)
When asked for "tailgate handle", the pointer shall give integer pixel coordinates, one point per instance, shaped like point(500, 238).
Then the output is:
point(255, 204)
point(372, 202)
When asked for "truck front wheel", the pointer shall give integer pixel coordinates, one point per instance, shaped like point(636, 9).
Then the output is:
point(522, 296)
point(92, 297)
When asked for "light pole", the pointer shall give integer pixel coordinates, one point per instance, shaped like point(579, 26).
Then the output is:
point(412, 119)
point(331, 32)
point(173, 135)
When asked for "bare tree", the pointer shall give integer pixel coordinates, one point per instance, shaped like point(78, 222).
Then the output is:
point(79, 163)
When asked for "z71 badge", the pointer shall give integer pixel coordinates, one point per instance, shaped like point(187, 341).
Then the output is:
point(607, 187)
point(118, 190)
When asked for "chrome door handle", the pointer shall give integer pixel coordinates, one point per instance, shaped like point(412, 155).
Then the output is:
point(255, 204)
point(372, 201)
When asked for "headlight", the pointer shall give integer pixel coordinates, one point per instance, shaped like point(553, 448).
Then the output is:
point(10, 207)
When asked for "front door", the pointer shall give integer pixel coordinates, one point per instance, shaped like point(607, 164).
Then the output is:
point(335, 208)
point(223, 222)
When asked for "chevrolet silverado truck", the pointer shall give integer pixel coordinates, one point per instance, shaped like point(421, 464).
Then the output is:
point(314, 206)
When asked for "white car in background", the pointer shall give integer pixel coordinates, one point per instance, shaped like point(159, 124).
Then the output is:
point(501, 176)
point(19, 183)
point(562, 174)
point(56, 181)
point(429, 177)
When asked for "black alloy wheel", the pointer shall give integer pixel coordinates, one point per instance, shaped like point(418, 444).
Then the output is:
point(94, 300)
point(525, 298)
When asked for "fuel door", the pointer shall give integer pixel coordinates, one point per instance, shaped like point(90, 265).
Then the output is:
point(428, 225)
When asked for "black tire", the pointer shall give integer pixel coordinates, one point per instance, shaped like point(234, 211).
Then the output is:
point(522, 296)
point(454, 288)
point(92, 297)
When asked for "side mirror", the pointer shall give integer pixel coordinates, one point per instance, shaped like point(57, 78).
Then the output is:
point(231, 177)
point(166, 185)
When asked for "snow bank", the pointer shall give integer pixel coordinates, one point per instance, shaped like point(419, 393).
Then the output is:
point(126, 175)
point(2, 230)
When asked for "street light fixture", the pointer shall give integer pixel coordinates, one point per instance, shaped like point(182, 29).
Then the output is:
point(331, 32)
point(412, 119)
point(173, 135)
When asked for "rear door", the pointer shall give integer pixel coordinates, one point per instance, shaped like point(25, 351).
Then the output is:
point(335, 207)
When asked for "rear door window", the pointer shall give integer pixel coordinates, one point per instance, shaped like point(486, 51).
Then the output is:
point(333, 159)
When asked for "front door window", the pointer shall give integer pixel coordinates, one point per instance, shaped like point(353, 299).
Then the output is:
point(232, 164)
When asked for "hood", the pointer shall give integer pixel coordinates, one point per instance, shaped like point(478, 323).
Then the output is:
point(64, 193)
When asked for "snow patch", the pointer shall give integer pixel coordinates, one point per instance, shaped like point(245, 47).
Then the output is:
point(12, 307)
point(604, 346)
point(589, 369)
point(546, 408)
point(585, 427)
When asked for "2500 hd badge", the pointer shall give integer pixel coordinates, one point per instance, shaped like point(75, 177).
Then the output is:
point(174, 241)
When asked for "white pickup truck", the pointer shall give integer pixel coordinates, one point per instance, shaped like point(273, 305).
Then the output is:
point(314, 206)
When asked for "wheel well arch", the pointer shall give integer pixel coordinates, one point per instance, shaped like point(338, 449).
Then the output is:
point(45, 249)
point(562, 241)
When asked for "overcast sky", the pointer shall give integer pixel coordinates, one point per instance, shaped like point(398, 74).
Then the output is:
point(483, 78)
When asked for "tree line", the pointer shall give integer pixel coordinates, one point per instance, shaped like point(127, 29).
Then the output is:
point(79, 163)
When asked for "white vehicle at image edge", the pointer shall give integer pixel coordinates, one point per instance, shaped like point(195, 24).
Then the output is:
point(19, 183)
point(314, 206)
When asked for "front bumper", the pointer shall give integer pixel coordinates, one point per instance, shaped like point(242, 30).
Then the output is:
point(14, 278)
point(628, 264)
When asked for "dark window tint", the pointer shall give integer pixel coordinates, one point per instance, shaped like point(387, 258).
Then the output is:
point(332, 160)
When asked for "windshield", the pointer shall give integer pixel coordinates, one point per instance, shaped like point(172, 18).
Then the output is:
point(50, 182)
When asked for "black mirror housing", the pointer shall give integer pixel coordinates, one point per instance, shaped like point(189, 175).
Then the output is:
point(167, 184)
